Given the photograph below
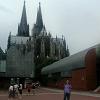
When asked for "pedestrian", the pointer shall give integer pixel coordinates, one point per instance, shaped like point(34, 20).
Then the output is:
point(37, 84)
point(29, 88)
point(67, 90)
point(33, 87)
point(11, 92)
point(20, 90)
point(16, 90)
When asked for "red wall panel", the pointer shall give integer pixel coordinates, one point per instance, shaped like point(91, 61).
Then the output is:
point(85, 79)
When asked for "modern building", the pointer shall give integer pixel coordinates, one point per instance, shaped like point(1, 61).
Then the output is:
point(81, 69)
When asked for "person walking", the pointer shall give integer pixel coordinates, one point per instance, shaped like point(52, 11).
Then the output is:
point(33, 87)
point(16, 90)
point(67, 90)
point(11, 92)
point(20, 90)
point(29, 88)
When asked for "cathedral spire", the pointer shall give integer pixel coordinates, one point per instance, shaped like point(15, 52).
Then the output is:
point(9, 41)
point(24, 18)
point(39, 21)
point(23, 28)
point(67, 52)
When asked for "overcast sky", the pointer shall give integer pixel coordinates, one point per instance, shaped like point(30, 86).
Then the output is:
point(77, 20)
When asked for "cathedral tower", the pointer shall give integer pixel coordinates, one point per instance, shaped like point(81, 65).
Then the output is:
point(39, 22)
point(23, 27)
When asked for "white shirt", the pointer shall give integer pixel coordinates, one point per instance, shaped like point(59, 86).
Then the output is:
point(16, 87)
point(20, 87)
point(11, 88)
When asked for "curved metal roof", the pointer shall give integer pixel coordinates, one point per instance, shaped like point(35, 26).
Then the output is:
point(67, 64)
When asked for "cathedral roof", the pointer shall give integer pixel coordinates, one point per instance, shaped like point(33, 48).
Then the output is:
point(43, 32)
point(57, 40)
point(19, 39)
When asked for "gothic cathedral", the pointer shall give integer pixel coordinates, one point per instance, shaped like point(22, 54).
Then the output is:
point(36, 50)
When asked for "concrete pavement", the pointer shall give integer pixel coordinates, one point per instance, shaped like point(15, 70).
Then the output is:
point(85, 93)
point(53, 94)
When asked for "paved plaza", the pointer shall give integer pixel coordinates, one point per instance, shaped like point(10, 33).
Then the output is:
point(52, 94)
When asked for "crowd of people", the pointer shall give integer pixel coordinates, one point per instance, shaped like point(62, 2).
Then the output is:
point(15, 90)
point(32, 87)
